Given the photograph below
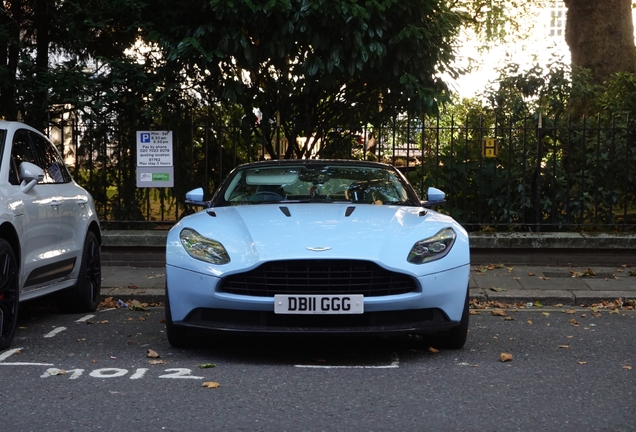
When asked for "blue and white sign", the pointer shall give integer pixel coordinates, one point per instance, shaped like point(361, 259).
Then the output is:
point(154, 159)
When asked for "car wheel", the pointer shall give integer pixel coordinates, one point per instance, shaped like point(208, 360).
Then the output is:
point(456, 337)
point(177, 335)
point(85, 295)
point(9, 294)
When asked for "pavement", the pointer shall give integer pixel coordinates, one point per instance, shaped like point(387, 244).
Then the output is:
point(548, 285)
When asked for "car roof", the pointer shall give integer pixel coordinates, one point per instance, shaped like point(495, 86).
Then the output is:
point(15, 125)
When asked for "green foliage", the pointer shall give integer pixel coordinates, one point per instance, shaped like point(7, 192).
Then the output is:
point(553, 169)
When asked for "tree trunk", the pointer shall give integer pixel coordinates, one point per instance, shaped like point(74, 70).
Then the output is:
point(38, 115)
point(10, 16)
point(600, 35)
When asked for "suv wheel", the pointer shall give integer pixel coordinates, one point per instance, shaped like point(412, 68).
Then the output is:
point(9, 294)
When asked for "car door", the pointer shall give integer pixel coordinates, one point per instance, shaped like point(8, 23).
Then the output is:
point(36, 216)
point(69, 201)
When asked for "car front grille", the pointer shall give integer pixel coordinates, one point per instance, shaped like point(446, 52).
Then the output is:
point(319, 277)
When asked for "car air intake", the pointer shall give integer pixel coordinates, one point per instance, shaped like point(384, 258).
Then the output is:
point(318, 277)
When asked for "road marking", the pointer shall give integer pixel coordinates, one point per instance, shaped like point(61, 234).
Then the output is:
point(5, 355)
point(54, 332)
point(395, 364)
point(84, 318)
point(139, 373)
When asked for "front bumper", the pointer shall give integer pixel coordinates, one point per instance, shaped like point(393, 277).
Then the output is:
point(438, 306)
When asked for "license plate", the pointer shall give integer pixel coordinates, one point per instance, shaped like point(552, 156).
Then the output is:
point(318, 304)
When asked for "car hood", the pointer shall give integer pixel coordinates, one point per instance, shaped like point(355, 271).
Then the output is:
point(255, 233)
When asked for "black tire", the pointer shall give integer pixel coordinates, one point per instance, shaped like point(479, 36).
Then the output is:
point(85, 295)
point(455, 338)
point(177, 335)
point(9, 294)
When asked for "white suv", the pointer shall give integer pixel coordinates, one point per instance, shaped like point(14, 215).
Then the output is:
point(49, 232)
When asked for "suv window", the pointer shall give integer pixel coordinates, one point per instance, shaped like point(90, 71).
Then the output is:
point(30, 147)
point(50, 161)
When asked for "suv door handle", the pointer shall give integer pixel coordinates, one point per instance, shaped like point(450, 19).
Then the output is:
point(55, 204)
point(82, 202)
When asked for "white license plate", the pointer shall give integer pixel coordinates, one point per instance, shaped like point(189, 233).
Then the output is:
point(318, 304)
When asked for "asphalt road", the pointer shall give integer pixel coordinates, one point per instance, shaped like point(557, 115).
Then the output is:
point(569, 371)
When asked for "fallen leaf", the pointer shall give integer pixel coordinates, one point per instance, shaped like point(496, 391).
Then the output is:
point(510, 269)
point(529, 321)
point(546, 314)
point(433, 350)
point(537, 304)
point(498, 289)
point(210, 384)
point(589, 272)
point(531, 274)
point(207, 365)
point(505, 357)
point(509, 318)
point(152, 354)
point(563, 346)
point(627, 367)
point(136, 305)
point(499, 312)
point(582, 362)
point(570, 311)
point(156, 362)
point(574, 322)
point(63, 372)
point(93, 361)
point(569, 337)
point(473, 312)
point(142, 319)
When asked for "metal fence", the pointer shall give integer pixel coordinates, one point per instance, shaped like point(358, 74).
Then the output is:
point(499, 173)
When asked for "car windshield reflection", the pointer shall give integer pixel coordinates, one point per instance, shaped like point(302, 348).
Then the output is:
point(309, 184)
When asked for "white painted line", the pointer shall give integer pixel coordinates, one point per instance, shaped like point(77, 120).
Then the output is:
point(84, 318)
point(5, 355)
point(395, 364)
point(25, 364)
point(54, 332)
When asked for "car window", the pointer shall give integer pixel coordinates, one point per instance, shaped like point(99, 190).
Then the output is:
point(335, 183)
point(50, 161)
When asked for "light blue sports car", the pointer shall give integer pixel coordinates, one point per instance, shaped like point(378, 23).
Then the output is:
point(317, 247)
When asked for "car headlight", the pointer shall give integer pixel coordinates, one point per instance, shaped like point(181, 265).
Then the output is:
point(203, 248)
point(432, 248)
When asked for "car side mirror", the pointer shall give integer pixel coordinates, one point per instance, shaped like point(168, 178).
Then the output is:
point(435, 198)
point(195, 198)
point(30, 174)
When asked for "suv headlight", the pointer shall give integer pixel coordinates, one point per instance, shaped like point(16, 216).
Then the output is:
point(203, 248)
point(432, 248)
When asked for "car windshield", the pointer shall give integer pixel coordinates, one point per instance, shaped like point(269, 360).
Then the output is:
point(327, 183)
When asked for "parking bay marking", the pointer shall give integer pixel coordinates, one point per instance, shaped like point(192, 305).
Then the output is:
point(54, 332)
point(5, 355)
point(84, 318)
point(395, 364)
point(174, 373)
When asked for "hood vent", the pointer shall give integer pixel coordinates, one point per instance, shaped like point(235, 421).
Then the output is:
point(211, 213)
point(285, 211)
point(349, 211)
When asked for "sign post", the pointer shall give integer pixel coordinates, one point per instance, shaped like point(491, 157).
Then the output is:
point(154, 159)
